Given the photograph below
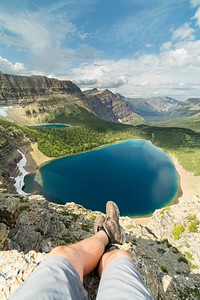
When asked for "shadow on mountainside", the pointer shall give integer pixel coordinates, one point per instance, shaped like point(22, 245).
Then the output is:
point(35, 224)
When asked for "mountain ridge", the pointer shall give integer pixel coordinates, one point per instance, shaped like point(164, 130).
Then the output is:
point(152, 106)
point(16, 89)
point(35, 91)
point(187, 108)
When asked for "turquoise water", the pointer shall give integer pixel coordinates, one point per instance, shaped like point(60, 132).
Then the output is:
point(138, 176)
point(51, 125)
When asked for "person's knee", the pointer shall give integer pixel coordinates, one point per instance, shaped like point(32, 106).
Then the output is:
point(58, 251)
point(118, 253)
point(110, 256)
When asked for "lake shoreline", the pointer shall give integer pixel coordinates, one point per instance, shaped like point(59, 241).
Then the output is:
point(189, 184)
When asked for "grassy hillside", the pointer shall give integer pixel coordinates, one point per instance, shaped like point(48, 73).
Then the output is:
point(181, 142)
point(192, 122)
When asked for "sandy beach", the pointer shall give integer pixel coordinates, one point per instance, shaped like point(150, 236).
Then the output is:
point(190, 184)
point(38, 156)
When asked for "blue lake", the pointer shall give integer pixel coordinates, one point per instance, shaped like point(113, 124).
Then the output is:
point(50, 125)
point(138, 176)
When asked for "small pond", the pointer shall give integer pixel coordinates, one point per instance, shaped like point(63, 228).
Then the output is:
point(51, 125)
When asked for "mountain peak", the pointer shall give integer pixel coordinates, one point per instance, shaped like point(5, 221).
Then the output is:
point(152, 106)
point(107, 104)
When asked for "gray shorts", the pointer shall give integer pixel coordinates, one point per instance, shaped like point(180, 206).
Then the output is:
point(56, 279)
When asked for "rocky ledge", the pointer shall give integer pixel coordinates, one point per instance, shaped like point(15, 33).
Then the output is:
point(165, 254)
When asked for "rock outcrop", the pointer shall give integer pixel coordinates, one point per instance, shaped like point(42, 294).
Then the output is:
point(110, 106)
point(10, 139)
point(30, 227)
point(180, 225)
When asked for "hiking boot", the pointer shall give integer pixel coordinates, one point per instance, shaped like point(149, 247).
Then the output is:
point(98, 224)
point(111, 226)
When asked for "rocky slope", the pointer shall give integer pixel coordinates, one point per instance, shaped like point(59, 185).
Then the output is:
point(188, 108)
point(110, 106)
point(10, 139)
point(153, 106)
point(31, 227)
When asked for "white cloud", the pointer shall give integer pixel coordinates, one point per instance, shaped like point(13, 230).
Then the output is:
point(42, 36)
point(175, 58)
point(148, 45)
point(185, 32)
point(98, 74)
point(195, 3)
point(30, 32)
point(166, 46)
point(17, 68)
point(181, 84)
point(114, 83)
point(173, 72)
point(144, 83)
point(83, 36)
point(87, 82)
point(9, 68)
point(197, 16)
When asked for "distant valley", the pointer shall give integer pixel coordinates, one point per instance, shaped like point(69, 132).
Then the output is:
point(166, 111)
point(154, 106)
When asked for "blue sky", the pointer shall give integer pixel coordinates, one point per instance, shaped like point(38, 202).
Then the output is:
point(138, 48)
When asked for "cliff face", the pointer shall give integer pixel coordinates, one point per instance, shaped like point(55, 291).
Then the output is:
point(10, 139)
point(180, 224)
point(31, 227)
point(23, 89)
point(110, 106)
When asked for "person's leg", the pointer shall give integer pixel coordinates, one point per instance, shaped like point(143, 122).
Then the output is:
point(60, 276)
point(84, 255)
point(119, 279)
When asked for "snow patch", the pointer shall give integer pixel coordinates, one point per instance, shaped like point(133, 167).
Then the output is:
point(4, 110)
point(19, 180)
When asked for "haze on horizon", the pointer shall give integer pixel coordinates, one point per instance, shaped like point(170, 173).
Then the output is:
point(138, 48)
